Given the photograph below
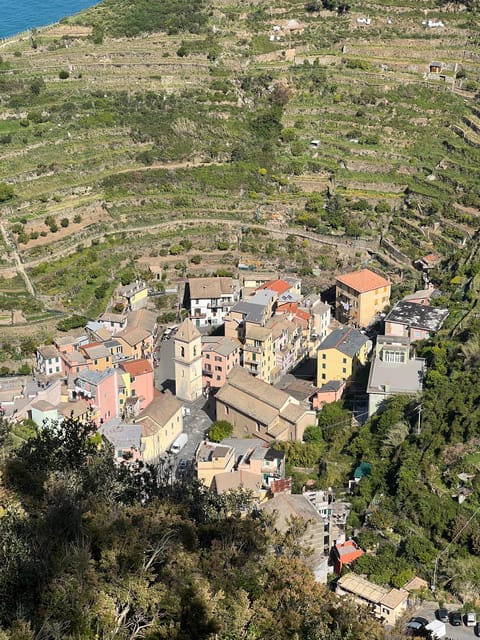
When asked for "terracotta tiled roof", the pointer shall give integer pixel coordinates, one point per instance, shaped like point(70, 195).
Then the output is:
point(187, 331)
point(363, 280)
point(205, 288)
point(279, 286)
point(136, 367)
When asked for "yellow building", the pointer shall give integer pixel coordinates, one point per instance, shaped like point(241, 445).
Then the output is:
point(162, 423)
point(360, 296)
point(340, 353)
point(212, 459)
point(258, 355)
point(98, 356)
point(136, 343)
point(134, 295)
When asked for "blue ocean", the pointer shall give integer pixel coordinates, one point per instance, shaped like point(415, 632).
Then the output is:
point(19, 15)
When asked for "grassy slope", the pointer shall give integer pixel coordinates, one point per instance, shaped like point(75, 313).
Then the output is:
point(112, 143)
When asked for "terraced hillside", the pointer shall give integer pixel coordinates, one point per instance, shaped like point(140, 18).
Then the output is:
point(288, 137)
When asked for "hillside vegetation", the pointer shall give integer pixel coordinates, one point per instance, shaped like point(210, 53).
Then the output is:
point(133, 125)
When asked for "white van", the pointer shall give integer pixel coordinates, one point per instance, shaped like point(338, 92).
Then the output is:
point(178, 444)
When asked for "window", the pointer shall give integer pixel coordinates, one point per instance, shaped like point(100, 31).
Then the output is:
point(218, 368)
point(324, 356)
point(344, 360)
point(182, 352)
point(134, 393)
point(324, 366)
point(395, 357)
point(218, 377)
point(324, 376)
point(194, 351)
point(207, 356)
point(344, 370)
point(218, 359)
point(132, 379)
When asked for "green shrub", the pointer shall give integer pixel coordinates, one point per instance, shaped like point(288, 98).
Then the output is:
point(6, 192)
point(74, 322)
point(220, 430)
point(63, 74)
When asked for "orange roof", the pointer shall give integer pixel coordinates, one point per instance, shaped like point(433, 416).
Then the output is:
point(137, 367)
point(279, 286)
point(363, 280)
point(348, 551)
point(90, 345)
point(301, 313)
point(287, 307)
point(431, 257)
point(292, 307)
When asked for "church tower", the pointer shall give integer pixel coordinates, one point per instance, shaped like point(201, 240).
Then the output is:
point(188, 362)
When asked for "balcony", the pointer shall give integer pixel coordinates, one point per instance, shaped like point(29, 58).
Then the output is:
point(207, 373)
point(252, 349)
point(252, 370)
point(220, 304)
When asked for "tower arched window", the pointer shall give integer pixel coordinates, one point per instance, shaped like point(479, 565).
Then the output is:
point(182, 352)
point(194, 351)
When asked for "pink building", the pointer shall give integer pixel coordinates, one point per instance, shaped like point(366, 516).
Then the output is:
point(329, 392)
point(219, 356)
point(100, 389)
point(141, 380)
point(414, 321)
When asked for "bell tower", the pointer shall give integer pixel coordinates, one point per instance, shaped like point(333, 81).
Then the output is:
point(188, 362)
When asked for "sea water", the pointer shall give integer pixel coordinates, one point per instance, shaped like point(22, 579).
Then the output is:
point(19, 15)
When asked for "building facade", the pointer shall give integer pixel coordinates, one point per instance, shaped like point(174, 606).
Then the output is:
point(360, 296)
point(188, 362)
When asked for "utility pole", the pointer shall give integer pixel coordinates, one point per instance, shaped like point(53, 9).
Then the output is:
point(434, 580)
point(419, 422)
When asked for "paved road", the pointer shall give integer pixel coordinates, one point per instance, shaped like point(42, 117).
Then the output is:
point(427, 610)
point(198, 415)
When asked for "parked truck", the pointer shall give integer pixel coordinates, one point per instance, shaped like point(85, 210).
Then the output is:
point(179, 442)
point(437, 629)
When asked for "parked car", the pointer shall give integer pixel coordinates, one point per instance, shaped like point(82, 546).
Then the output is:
point(456, 618)
point(183, 464)
point(470, 619)
point(416, 625)
point(476, 629)
point(442, 615)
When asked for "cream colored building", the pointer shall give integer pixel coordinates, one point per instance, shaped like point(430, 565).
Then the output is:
point(162, 423)
point(388, 604)
point(212, 459)
point(360, 296)
point(258, 409)
point(188, 362)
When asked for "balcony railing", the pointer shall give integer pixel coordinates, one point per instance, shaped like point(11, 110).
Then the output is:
point(252, 349)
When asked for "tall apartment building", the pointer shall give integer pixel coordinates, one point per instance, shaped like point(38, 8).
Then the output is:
point(360, 296)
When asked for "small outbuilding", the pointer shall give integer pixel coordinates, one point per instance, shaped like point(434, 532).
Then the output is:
point(435, 67)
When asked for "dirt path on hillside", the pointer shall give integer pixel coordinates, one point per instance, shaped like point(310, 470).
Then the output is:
point(335, 241)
